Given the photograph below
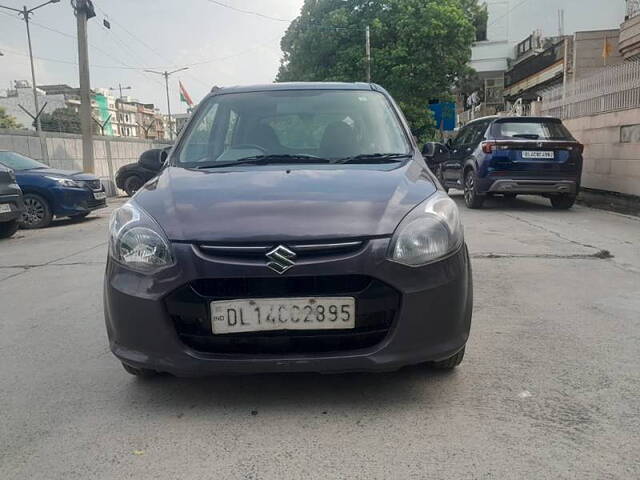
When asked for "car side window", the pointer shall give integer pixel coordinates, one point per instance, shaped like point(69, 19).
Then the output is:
point(477, 134)
point(461, 138)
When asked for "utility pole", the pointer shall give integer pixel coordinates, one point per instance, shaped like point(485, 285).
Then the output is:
point(121, 88)
point(84, 11)
point(166, 75)
point(368, 50)
point(25, 13)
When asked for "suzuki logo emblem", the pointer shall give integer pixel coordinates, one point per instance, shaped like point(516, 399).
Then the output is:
point(282, 259)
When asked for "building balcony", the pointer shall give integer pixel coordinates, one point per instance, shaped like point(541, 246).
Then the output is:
point(630, 38)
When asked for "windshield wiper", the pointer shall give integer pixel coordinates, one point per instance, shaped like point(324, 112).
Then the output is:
point(267, 160)
point(375, 158)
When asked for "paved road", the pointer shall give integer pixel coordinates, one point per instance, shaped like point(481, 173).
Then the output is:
point(549, 388)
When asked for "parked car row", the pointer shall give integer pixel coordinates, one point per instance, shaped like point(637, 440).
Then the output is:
point(32, 194)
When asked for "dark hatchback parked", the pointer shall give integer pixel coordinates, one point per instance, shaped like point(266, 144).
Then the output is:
point(49, 192)
point(11, 205)
point(133, 176)
point(294, 227)
point(510, 156)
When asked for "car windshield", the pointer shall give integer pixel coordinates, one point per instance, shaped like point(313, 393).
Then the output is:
point(539, 130)
point(16, 161)
point(294, 126)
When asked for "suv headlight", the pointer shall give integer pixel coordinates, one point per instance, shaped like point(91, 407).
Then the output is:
point(431, 231)
point(65, 182)
point(137, 241)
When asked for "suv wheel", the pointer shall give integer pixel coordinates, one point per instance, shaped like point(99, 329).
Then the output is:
point(562, 202)
point(471, 197)
point(8, 228)
point(132, 185)
point(449, 363)
point(37, 213)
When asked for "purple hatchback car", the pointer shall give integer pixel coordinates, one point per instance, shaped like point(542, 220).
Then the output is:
point(294, 227)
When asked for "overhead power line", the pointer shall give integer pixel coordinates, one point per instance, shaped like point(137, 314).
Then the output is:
point(248, 12)
point(496, 20)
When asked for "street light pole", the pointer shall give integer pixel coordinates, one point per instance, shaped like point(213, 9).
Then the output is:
point(121, 88)
point(84, 11)
point(25, 13)
point(166, 75)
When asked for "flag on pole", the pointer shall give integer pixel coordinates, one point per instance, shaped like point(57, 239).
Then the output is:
point(607, 49)
point(184, 95)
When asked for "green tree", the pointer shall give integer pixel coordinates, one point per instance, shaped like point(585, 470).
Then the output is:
point(65, 120)
point(8, 121)
point(419, 48)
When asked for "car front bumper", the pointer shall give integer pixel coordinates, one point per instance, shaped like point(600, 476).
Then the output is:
point(14, 200)
point(70, 201)
point(432, 321)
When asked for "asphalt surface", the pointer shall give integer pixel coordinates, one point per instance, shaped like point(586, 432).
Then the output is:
point(548, 390)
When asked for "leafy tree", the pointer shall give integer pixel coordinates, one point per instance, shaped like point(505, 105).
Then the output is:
point(8, 121)
point(65, 120)
point(419, 48)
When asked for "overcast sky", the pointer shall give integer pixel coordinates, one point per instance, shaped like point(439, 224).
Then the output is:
point(238, 48)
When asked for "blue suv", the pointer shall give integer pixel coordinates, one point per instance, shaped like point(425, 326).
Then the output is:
point(509, 156)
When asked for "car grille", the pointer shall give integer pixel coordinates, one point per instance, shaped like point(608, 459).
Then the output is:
point(256, 252)
point(376, 308)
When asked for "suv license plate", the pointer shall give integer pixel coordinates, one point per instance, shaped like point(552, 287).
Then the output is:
point(538, 154)
point(99, 195)
point(328, 313)
point(5, 208)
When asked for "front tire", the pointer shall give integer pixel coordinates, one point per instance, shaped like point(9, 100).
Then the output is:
point(449, 363)
point(563, 202)
point(132, 185)
point(7, 229)
point(471, 197)
point(37, 212)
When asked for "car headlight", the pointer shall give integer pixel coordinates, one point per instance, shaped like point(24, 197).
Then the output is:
point(137, 241)
point(431, 231)
point(65, 182)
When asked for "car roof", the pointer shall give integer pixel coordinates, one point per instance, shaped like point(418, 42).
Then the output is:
point(506, 118)
point(295, 86)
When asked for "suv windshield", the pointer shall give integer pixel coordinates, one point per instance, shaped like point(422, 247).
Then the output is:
point(297, 126)
point(16, 161)
point(537, 130)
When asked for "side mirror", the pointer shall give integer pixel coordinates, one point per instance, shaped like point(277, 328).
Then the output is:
point(449, 143)
point(435, 153)
point(429, 150)
point(152, 159)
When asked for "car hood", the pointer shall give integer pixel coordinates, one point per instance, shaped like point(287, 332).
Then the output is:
point(284, 203)
point(54, 172)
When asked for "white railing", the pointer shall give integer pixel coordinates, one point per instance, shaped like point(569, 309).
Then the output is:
point(614, 88)
point(477, 111)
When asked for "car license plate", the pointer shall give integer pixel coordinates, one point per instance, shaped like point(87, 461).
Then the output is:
point(328, 313)
point(538, 154)
point(99, 195)
point(5, 208)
